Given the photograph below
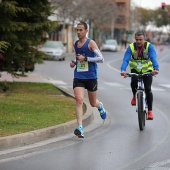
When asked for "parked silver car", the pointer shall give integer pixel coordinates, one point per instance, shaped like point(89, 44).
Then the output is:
point(110, 45)
point(55, 50)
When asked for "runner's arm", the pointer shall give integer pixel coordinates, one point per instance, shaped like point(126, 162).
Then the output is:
point(99, 57)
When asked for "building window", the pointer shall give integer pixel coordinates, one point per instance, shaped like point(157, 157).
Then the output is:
point(121, 19)
point(121, 6)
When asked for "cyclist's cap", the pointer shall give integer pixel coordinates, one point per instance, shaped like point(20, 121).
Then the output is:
point(140, 32)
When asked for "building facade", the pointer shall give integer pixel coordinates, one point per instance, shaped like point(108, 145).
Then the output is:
point(120, 24)
point(123, 11)
point(122, 21)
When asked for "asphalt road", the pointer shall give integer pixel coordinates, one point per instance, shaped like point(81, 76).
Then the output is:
point(116, 145)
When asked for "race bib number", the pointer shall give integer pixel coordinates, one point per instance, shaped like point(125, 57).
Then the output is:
point(82, 66)
point(139, 66)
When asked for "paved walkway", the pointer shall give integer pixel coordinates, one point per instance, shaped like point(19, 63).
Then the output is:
point(28, 77)
point(32, 137)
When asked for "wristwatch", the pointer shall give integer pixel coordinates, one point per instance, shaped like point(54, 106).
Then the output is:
point(85, 58)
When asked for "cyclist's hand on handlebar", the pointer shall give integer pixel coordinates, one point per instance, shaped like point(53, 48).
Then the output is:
point(155, 72)
point(123, 73)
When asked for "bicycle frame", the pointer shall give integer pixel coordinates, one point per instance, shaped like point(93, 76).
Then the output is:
point(141, 105)
point(140, 89)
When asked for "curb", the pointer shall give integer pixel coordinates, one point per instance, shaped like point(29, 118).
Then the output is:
point(23, 139)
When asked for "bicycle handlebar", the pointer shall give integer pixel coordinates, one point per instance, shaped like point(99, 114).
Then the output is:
point(140, 74)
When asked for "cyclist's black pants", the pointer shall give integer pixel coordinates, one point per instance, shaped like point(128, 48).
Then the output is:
point(147, 80)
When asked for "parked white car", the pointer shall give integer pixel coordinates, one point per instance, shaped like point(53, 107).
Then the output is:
point(110, 45)
point(55, 50)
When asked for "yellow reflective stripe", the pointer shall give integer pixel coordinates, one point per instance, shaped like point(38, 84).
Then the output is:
point(147, 65)
point(135, 65)
point(141, 61)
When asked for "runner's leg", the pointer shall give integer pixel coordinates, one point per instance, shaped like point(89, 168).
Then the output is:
point(79, 95)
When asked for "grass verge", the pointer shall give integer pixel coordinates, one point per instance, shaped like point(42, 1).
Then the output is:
point(30, 106)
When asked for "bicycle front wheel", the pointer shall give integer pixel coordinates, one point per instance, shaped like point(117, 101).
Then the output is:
point(141, 114)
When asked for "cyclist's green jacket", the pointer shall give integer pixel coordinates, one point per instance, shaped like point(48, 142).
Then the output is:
point(142, 62)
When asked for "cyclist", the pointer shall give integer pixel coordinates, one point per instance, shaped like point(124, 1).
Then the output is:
point(141, 57)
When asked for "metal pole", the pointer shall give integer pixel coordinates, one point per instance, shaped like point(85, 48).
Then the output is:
point(112, 29)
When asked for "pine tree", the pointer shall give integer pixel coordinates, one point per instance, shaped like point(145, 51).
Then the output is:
point(23, 23)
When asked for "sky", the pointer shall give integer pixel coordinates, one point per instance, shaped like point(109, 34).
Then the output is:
point(151, 4)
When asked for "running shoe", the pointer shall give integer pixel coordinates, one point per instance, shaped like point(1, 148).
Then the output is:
point(150, 115)
point(133, 101)
point(79, 132)
point(102, 111)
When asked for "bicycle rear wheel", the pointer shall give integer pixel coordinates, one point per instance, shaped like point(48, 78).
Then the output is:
point(141, 114)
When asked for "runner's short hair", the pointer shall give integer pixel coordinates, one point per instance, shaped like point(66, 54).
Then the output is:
point(84, 24)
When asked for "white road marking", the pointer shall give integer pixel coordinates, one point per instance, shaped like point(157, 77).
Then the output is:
point(165, 85)
point(109, 65)
point(157, 89)
point(158, 164)
point(114, 84)
point(154, 147)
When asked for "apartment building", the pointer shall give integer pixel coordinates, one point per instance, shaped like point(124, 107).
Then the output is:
point(122, 21)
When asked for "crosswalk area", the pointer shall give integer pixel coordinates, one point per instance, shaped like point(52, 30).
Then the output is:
point(59, 83)
point(163, 87)
point(64, 85)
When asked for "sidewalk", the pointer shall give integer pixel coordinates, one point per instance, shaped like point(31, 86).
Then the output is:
point(32, 137)
point(28, 78)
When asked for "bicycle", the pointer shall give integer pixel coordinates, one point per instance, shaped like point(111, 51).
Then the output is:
point(141, 103)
